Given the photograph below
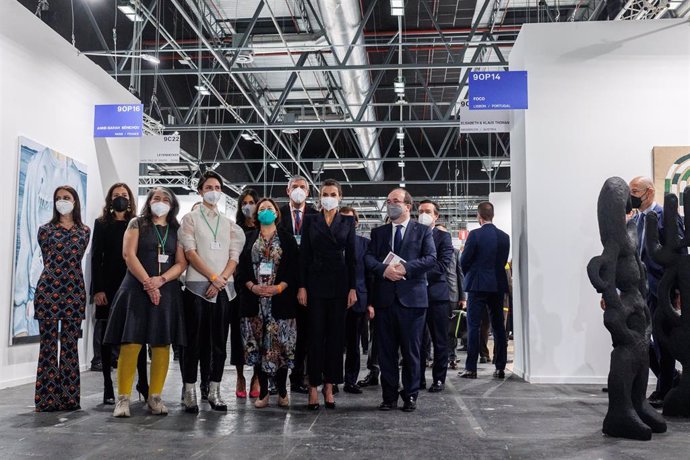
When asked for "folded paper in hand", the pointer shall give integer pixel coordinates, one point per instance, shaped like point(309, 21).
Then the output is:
point(392, 258)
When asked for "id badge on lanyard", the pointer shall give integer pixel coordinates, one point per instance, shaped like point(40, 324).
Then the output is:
point(265, 268)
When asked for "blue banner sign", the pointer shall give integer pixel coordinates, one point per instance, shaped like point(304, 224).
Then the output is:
point(498, 90)
point(118, 120)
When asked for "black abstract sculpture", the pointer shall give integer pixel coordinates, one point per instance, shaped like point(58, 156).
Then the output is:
point(672, 328)
point(619, 275)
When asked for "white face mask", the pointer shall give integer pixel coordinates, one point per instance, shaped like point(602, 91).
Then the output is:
point(212, 197)
point(298, 196)
point(248, 210)
point(160, 209)
point(329, 203)
point(425, 219)
point(64, 207)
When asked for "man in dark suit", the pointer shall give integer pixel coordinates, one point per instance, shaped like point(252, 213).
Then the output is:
point(399, 296)
point(483, 262)
point(353, 321)
point(291, 218)
point(661, 361)
point(437, 290)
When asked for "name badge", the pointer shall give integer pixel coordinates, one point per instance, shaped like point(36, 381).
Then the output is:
point(266, 269)
point(163, 258)
point(298, 238)
point(215, 245)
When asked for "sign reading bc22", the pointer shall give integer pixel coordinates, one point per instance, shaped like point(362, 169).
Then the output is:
point(118, 120)
point(498, 90)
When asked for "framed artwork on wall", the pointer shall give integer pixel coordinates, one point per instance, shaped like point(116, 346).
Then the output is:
point(671, 171)
point(41, 171)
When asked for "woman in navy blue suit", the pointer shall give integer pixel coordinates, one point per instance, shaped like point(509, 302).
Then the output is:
point(327, 289)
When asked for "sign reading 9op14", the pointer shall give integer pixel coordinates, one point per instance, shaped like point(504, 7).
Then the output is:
point(498, 90)
point(118, 120)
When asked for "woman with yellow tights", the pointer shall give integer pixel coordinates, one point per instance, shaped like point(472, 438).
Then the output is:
point(147, 308)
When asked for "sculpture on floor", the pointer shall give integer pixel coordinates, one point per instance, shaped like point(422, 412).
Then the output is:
point(672, 327)
point(619, 275)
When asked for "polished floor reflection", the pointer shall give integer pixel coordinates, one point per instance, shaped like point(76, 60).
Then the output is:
point(483, 418)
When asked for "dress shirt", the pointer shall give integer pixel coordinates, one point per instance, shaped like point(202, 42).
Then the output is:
point(292, 215)
point(402, 231)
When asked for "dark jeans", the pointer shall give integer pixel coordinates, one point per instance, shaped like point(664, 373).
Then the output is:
point(301, 347)
point(477, 303)
point(399, 328)
point(326, 340)
point(207, 335)
point(437, 324)
point(353, 331)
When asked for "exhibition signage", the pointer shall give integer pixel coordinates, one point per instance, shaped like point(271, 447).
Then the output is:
point(483, 121)
point(498, 90)
point(160, 149)
point(118, 120)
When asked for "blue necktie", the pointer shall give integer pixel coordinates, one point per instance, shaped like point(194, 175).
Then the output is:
point(640, 233)
point(397, 241)
point(298, 222)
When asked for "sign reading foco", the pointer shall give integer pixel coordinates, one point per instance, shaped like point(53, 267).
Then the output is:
point(118, 120)
point(160, 149)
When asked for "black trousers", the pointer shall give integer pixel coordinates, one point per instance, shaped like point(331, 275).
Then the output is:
point(661, 360)
point(207, 335)
point(326, 340)
point(301, 347)
point(236, 344)
point(353, 333)
point(373, 355)
point(477, 304)
point(437, 323)
point(399, 328)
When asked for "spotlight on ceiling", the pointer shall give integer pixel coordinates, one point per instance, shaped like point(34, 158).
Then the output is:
point(397, 7)
point(203, 90)
point(247, 136)
point(399, 85)
point(152, 59)
point(400, 135)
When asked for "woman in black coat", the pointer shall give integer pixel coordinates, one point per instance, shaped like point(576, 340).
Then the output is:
point(327, 289)
point(267, 277)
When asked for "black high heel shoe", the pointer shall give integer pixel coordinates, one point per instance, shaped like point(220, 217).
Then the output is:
point(313, 406)
point(108, 394)
point(327, 404)
point(143, 391)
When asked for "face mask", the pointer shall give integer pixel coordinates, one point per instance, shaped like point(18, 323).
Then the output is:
point(212, 197)
point(248, 210)
point(298, 196)
point(395, 211)
point(329, 203)
point(120, 204)
point(636, 201)
point(266, 217)
point(425, 219)
point(160, 209)
point(64, 207)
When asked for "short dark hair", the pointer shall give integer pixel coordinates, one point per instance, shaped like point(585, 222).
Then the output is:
point(486, 211)
point(350, 210)
point(431, 202)
point(270, 200)
point(209, 175)
point(332, 183)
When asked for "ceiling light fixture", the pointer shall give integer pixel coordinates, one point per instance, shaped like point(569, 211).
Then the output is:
point(397, 7)
point(246, 136)
point(344, 165)
point(400, 135)
point(202, 90)
point(126, 8)
point(152, 59)
point(273, 165)
point(399, 85)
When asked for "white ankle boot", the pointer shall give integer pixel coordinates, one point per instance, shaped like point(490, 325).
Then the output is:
point(122, 406)
point(156, 405)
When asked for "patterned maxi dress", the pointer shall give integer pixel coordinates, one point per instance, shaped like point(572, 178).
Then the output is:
point(268, 341)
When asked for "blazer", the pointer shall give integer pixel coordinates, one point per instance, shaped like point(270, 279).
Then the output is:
point(286, 217)
point(455, 279)
point(328, 256)
point(437, 276)
point(361, 276)
point(419, 252)
point(284, 305)
point(484, 259)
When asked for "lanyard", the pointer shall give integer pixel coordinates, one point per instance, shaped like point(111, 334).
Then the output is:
point(214, 232)
point(267, 245)
point(161, 241)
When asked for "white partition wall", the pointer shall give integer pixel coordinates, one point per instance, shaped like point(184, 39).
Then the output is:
point(47, 94)
point(601, 95)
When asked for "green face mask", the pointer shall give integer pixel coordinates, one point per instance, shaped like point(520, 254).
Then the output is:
point(266, 217)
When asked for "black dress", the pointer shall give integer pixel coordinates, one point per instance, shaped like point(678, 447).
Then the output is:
point(133, 318)
point(108, 267)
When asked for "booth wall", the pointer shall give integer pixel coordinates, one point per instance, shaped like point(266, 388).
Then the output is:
point(47, 94)
point(601, 95)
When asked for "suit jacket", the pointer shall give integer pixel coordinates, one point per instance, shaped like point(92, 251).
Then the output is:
point(328, 256)
point(417, 250)
point(283, 305)
point(361, 275)
point(437, 276)
point(286, 217)
point(455, 278)
point(484, 259)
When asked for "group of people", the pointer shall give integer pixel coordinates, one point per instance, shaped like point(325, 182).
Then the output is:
point(290, 286)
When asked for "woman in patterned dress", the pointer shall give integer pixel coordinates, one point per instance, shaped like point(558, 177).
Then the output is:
point(60, 303)
point(267, 275)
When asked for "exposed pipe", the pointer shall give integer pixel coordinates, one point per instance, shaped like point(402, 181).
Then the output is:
point(341, 19)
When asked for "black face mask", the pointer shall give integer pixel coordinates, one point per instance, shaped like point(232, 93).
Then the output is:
point(120, 204)
point(636, 201)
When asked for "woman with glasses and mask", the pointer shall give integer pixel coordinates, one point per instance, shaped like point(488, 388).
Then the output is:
point(108, 269)
point(147, 309)
point(267, 276)
point(327, 288)
point(60, 303)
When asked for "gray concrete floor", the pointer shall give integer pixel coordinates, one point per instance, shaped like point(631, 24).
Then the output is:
point(484, 418)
